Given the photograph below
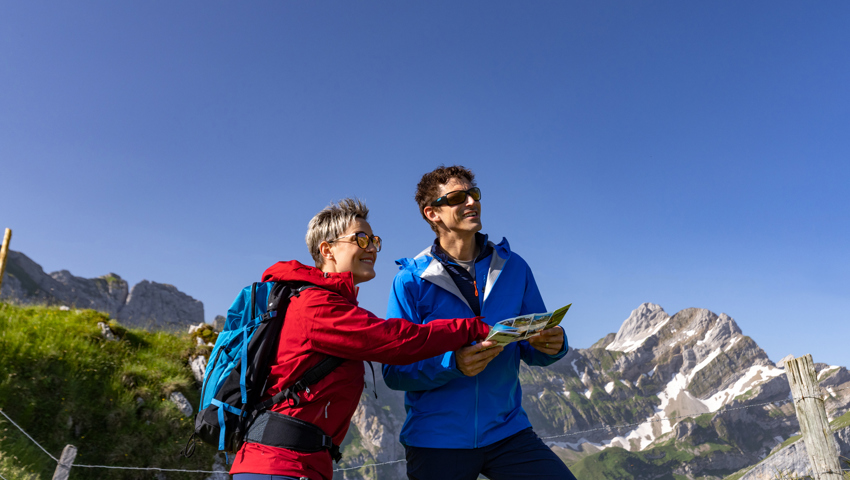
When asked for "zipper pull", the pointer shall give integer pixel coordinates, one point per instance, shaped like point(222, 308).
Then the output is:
point(326, 409)
point(475, 283)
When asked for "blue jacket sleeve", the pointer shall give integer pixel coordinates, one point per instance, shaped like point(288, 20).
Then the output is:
point(532, 302)
point(425, 374)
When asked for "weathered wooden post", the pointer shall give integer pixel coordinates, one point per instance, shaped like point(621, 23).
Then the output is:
point(3, 251)
point(820, 441)
point(69, 453)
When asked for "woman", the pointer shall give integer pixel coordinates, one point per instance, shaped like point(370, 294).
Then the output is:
point(326, 321)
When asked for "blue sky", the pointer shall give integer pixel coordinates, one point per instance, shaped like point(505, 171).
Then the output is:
point(689, 154)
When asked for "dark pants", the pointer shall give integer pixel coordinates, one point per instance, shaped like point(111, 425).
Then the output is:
point(522, 455)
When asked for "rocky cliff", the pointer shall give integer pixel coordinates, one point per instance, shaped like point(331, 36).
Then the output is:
point(148, 305)
point(671, 386)
point(792, 461)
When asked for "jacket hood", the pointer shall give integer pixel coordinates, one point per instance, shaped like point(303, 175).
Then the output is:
point(295, 271)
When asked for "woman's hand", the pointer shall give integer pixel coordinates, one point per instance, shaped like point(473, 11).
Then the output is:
point(473, 359)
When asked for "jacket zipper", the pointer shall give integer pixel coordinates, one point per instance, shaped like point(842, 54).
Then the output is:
point(480, 309)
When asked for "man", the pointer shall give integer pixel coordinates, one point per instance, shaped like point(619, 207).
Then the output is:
point(464, 412)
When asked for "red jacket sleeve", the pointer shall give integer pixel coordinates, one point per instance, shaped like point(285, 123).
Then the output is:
point(339, 328)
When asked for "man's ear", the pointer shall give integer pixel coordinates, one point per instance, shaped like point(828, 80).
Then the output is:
point(326, 252)
point(431, 214)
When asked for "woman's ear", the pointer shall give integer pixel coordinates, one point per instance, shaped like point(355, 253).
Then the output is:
point(326, 252)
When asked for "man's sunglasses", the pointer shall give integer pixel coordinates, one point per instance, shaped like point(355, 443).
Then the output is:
point(457, 197)
point(362, 240)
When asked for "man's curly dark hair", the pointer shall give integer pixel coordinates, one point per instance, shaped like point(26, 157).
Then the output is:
point(428, 189)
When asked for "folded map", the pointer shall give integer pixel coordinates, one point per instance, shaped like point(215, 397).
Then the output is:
point(525, 326)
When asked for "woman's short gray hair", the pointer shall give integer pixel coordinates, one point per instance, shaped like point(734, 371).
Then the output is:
point(331, 222)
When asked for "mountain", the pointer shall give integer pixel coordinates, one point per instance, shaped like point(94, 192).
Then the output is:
point(150, 305)
point(661, 379)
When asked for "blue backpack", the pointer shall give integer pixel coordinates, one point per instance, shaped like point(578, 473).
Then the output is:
point(235, 379)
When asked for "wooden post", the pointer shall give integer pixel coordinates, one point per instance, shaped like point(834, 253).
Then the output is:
point(3, 251)
point(820, 441)
point(69, 453)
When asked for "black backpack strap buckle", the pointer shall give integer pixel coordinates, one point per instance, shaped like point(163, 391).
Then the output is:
point(336, 452)
point(286, 394)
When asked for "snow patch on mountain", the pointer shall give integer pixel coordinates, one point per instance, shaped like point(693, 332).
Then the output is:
point(753, 376)
point(676, 398)
point(732, 343)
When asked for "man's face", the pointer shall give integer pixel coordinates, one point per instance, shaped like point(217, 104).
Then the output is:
point(462, 218)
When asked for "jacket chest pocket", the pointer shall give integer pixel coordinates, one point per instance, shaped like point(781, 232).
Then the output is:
point(436, 303)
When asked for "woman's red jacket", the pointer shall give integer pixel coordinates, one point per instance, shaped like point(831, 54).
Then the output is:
point(327, 321)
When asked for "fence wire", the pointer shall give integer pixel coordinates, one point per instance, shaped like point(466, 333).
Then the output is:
point(28, 436)
point(567, 434)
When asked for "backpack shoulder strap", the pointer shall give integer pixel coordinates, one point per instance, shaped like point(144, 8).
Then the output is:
point(287, 290)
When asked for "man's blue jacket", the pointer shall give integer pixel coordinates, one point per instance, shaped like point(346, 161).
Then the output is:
point(445, 408)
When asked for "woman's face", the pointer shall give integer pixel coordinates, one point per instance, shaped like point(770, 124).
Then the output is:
point(349, 257)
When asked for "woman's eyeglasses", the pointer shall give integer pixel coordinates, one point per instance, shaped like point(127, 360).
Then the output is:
point(362, 240)
point(457, 197)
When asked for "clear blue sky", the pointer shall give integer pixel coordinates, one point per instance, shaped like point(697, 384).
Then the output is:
point(690, 154)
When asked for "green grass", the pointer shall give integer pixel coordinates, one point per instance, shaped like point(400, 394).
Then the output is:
point(737, 475)
point(840, 422)
point(619, 463)
point(64, 384)
point(657, 462)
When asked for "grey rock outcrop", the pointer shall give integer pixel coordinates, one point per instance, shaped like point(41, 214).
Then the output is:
point(793, 460)
point(106, 332)
point(218, 323)
point(220, 467)
point(106, 294)
point(199, 367)
point(148, 305)
point(375, 425)
point(182, 403)
point(160, 305)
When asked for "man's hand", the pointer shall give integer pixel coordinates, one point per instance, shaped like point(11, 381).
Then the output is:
point(472, 360)
point(549, 341)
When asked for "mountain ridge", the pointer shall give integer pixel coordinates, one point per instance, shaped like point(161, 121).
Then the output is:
point(148, 304)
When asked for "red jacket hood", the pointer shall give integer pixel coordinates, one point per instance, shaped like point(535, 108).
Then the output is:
point(295, 271)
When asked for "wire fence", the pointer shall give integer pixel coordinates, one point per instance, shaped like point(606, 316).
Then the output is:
point(830, 392)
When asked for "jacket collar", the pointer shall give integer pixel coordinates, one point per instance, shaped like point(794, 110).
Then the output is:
point(295, 271)
point(428, 267)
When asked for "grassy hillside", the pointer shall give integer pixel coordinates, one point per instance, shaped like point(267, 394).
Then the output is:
point(64, 384)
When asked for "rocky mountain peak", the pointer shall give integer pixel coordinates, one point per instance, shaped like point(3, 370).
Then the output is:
point(645, 321)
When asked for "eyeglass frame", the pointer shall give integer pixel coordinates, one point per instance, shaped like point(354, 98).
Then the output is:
point(370, 239)
point(444, 200)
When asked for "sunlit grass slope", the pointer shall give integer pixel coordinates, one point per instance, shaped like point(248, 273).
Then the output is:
point(65, 384)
